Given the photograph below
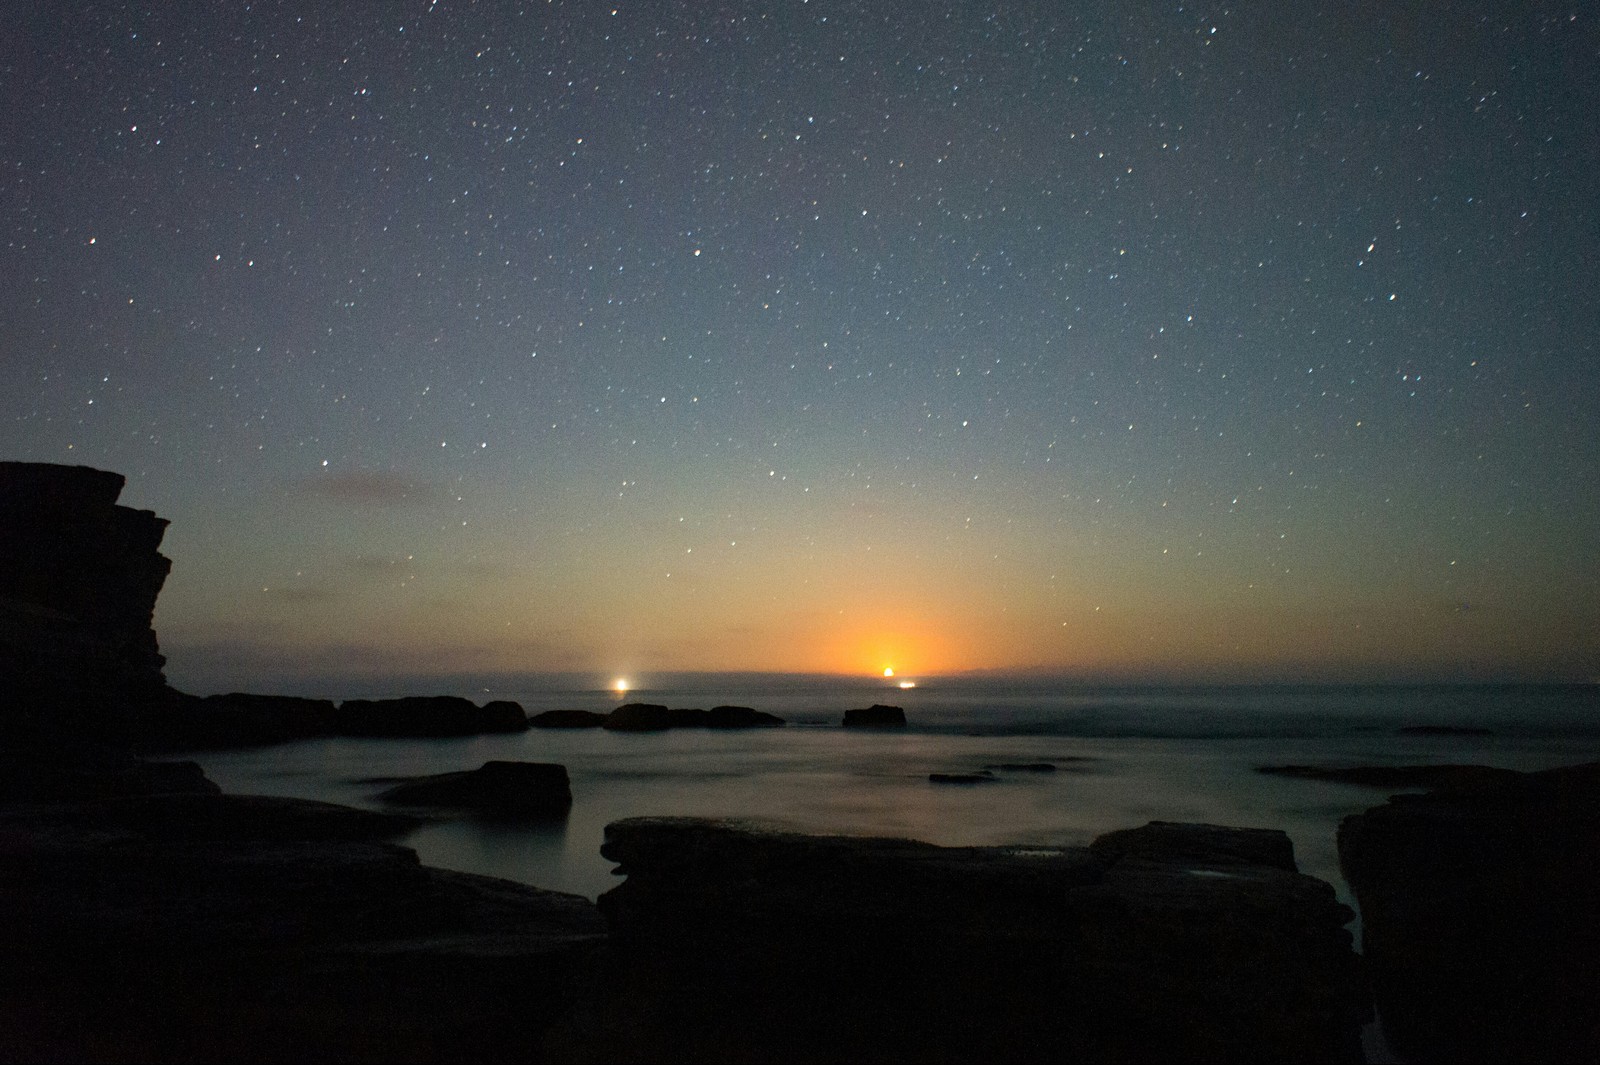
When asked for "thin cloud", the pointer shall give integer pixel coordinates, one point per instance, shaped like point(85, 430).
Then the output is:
point(370, 487)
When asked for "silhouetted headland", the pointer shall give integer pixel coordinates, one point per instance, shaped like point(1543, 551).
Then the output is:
point(150, 916)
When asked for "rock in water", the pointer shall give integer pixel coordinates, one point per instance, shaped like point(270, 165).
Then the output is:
point(567, 719)
point(740, 717)
point(653, 717)
point(1480, 912)
point(875, 716)
point(427, 715)
point(502, 789)
point(737, 943)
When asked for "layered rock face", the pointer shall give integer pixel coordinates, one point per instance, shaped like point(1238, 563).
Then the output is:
point(78, 655)
point(1480, 906)
point(1172, 942)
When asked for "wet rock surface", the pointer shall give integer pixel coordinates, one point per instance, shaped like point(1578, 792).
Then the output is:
point(1480, 905)
point(732, 942)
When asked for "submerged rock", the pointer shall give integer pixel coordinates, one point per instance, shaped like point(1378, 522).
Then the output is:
point(875, 716)
point(1396, 776)
point(1024, 767)
point(734, 942)
point(985, 777)
point(1480, 909)
point(504, 789)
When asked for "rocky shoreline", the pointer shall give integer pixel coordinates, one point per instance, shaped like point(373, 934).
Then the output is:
point(151, 917)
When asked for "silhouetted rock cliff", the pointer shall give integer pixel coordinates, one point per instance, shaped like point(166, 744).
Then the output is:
point(79, 576)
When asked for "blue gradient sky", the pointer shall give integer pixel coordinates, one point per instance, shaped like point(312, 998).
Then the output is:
point(1199, 343)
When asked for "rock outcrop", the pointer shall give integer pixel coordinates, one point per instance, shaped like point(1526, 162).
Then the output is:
point(875, 716)
point(741, 717)
point(1480, 909)
point(1166, 943)
point(567, 719)
point(653, 717)
point(516, 790)
point(427, 716)
point(238, 719)
point(79, 660)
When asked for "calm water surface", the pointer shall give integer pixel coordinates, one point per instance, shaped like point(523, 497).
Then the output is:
point(1123, 757)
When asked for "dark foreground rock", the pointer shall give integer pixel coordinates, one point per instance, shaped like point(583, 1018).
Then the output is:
point(520, 790)
point(875, 716)
point(1480, 907)
point(1168, 943)
point(232, 928)
point(984, 777)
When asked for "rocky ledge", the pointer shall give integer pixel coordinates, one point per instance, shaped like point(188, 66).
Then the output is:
point(1170, 942)
point(206, 927)
point(1480, 906)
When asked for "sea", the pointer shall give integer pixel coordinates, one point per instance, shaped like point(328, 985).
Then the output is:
point(1123, 756)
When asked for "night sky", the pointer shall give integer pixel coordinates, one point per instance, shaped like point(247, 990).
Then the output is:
point(1212, 343)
